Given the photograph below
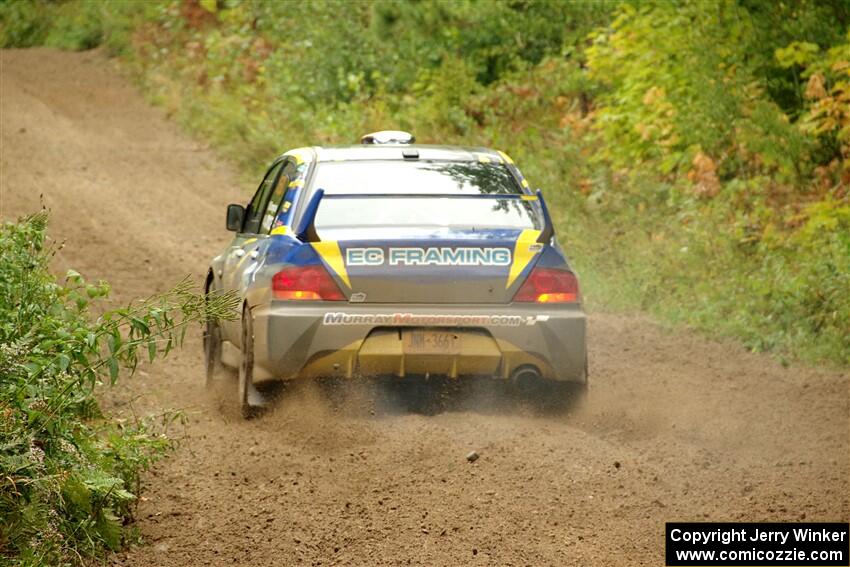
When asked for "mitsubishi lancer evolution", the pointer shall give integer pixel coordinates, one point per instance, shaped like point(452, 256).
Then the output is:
point(395, 259)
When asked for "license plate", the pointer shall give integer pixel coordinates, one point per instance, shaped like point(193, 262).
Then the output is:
point(429, 342)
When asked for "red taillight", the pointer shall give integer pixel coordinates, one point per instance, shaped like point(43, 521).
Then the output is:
point(545, 285)
point(307, 283)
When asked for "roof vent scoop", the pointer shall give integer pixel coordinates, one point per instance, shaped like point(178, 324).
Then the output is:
point(388, 137)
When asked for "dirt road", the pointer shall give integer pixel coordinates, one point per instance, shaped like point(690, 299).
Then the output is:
point(677, 427)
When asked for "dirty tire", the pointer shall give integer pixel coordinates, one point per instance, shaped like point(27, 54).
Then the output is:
point(246, 368)
point(212, 351)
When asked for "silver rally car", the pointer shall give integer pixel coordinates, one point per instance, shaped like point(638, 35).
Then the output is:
point(396, 260)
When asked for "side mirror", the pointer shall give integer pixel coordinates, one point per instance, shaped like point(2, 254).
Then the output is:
point(235, 217)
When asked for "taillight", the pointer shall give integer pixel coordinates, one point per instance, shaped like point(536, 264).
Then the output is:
point(545, 285)
point(305, 283)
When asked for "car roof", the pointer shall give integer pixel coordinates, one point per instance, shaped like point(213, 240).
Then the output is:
point(362, 152)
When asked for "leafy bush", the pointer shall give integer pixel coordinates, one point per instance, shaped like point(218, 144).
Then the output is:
point(76, 26)
point(69, 24)
point(681, 96)
point(69, 474)
point(827, 91)
point(23, 23)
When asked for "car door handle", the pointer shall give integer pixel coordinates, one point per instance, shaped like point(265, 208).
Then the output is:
point(253, 255)
point(239, 252)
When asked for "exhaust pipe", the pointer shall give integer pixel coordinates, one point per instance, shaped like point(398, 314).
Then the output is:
point(526, 376)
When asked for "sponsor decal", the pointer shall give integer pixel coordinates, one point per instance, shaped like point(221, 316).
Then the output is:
point(330, 253)
point(433, 256)
point(524, 251)
point(437, 319)
point(364, 256)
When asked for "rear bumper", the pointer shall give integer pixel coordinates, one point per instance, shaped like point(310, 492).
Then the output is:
point(346, 340)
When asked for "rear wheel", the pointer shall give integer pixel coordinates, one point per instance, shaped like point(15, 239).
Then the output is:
point(246, 369)
point(212, 350)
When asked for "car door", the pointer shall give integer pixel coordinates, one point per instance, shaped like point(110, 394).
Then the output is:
point(241, 257)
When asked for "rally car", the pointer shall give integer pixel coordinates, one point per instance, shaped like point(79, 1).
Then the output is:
point(393, 259)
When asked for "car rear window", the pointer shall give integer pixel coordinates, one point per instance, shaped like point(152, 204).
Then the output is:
point(475, 213)
point(415, 176)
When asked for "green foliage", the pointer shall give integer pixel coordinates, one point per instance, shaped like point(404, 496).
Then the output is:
point(69, 24)
point(27, 23)
point(797, 53)
point(69, 474)
point(678, 85)
point(23, 23)
point(827, 91)
point(76, 26)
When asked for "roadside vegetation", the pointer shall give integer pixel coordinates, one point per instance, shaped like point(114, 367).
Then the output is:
point(69, 474)
point(696, 153)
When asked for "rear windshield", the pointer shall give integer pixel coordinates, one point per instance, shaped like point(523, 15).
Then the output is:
point(414, 176)
point(427, 212)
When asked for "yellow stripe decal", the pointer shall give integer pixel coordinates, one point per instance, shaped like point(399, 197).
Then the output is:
point(278, 230)
point(525, 183)
point(505, 157)
point(296, 183)
point(249, 241)
point(332, 256)
point(529, 197)
point(523, 253)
